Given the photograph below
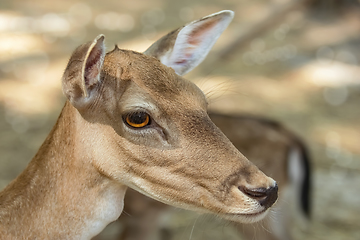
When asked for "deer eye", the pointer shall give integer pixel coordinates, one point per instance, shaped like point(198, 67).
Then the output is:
point(137, 119)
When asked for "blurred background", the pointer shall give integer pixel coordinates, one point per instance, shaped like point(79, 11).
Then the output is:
point(294, 61)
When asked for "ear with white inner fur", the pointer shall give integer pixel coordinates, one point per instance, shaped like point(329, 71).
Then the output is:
point(81, 78)
point(186, 47)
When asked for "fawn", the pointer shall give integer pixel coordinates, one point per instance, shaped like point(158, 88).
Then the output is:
point(131, 120)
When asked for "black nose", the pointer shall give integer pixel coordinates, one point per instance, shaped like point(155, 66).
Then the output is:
point(266, 196)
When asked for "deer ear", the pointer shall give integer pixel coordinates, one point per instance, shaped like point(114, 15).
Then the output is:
point(81, 78)
point(186, 47)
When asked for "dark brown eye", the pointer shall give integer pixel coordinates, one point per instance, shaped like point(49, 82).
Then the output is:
point(137, 119)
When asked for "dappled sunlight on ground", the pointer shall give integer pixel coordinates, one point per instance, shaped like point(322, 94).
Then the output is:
point(36, 92)
point(333, 31)
point(331, 74)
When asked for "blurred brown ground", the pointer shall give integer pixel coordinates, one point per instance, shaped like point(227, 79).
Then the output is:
point(303, 72)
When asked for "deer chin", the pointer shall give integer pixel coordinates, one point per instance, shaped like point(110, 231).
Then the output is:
point(247, 218)
point(252, 217)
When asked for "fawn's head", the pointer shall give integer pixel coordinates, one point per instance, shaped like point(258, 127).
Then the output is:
point(149, 128)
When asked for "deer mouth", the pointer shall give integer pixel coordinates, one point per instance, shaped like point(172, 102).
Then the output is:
point(254, 214)
point(249, 217)
point(261, 214)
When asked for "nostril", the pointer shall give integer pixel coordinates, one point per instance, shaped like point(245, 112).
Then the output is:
point(256, 193)
point(266, 196)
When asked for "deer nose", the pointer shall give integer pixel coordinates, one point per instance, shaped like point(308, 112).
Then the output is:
point(266, 196)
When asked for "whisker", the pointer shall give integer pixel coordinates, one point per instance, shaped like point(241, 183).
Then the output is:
point(217, 87)
point(127, 213)
point(192, 229)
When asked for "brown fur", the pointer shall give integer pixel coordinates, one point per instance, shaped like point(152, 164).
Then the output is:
point(75, 184)
point(89, 142)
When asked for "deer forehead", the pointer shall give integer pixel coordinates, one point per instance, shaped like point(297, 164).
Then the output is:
point(154, 79)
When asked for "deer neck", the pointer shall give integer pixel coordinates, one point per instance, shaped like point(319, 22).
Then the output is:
point(60, 190)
